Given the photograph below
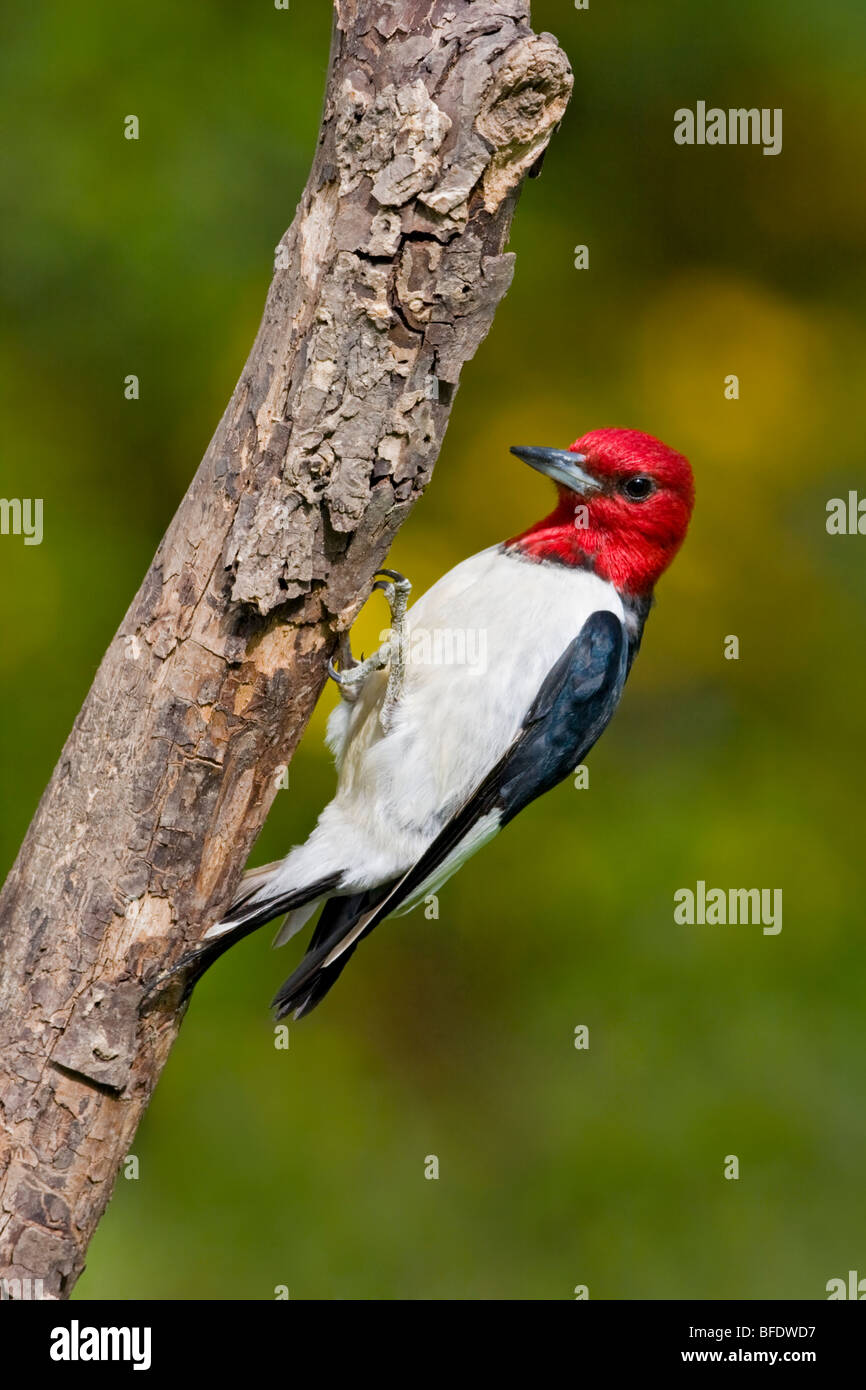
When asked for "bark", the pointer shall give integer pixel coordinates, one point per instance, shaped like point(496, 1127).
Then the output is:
point(384, 285)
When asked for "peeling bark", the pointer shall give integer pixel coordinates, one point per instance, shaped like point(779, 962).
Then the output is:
point(385, 284)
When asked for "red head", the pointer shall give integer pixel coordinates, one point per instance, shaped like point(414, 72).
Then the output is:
point(625, 500)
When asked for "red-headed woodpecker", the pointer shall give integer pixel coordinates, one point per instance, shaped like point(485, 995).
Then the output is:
point(435, 756)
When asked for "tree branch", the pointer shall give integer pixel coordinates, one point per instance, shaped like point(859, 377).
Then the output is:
point(384, 286)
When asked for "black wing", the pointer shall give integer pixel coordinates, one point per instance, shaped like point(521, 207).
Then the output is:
point(569, 714)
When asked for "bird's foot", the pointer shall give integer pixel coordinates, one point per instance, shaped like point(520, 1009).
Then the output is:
point(351, 675)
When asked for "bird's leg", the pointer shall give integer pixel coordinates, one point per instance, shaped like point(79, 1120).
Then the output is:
point(397, 593)
point(352, 674)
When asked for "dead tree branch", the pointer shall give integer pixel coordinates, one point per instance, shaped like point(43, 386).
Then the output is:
point(384, 285)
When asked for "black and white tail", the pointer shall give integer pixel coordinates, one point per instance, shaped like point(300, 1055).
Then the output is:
point(254, 907)
point(326, 956)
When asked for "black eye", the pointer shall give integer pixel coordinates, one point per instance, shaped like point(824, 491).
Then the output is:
point(638, 488)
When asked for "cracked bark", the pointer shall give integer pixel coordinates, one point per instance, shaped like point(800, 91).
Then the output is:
point(384, 285)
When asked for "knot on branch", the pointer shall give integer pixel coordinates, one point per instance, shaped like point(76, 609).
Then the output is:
point(528, 98)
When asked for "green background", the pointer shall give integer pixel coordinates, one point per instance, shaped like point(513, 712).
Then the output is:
point(454, 1037)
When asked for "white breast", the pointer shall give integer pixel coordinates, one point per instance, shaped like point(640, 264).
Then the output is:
point(481, 642)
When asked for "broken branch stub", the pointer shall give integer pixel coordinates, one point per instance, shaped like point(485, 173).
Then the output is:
point(384, 286)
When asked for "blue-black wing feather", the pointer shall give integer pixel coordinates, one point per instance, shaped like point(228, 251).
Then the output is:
point(570, 712)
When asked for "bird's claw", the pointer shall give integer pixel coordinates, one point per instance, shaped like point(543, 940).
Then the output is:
point(350, 679)
point(395, 586)
point(351, 675)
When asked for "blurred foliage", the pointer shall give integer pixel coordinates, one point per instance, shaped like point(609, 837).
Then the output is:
point(305, 1168)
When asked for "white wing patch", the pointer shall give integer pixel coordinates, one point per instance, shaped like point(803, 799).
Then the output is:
point(484, 830)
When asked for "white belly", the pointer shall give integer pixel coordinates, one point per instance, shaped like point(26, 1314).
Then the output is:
point(481, 642)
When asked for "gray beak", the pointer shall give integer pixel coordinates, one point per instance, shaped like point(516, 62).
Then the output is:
point(560, 465)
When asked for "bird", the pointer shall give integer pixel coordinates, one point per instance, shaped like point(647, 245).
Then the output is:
point(487, 691)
